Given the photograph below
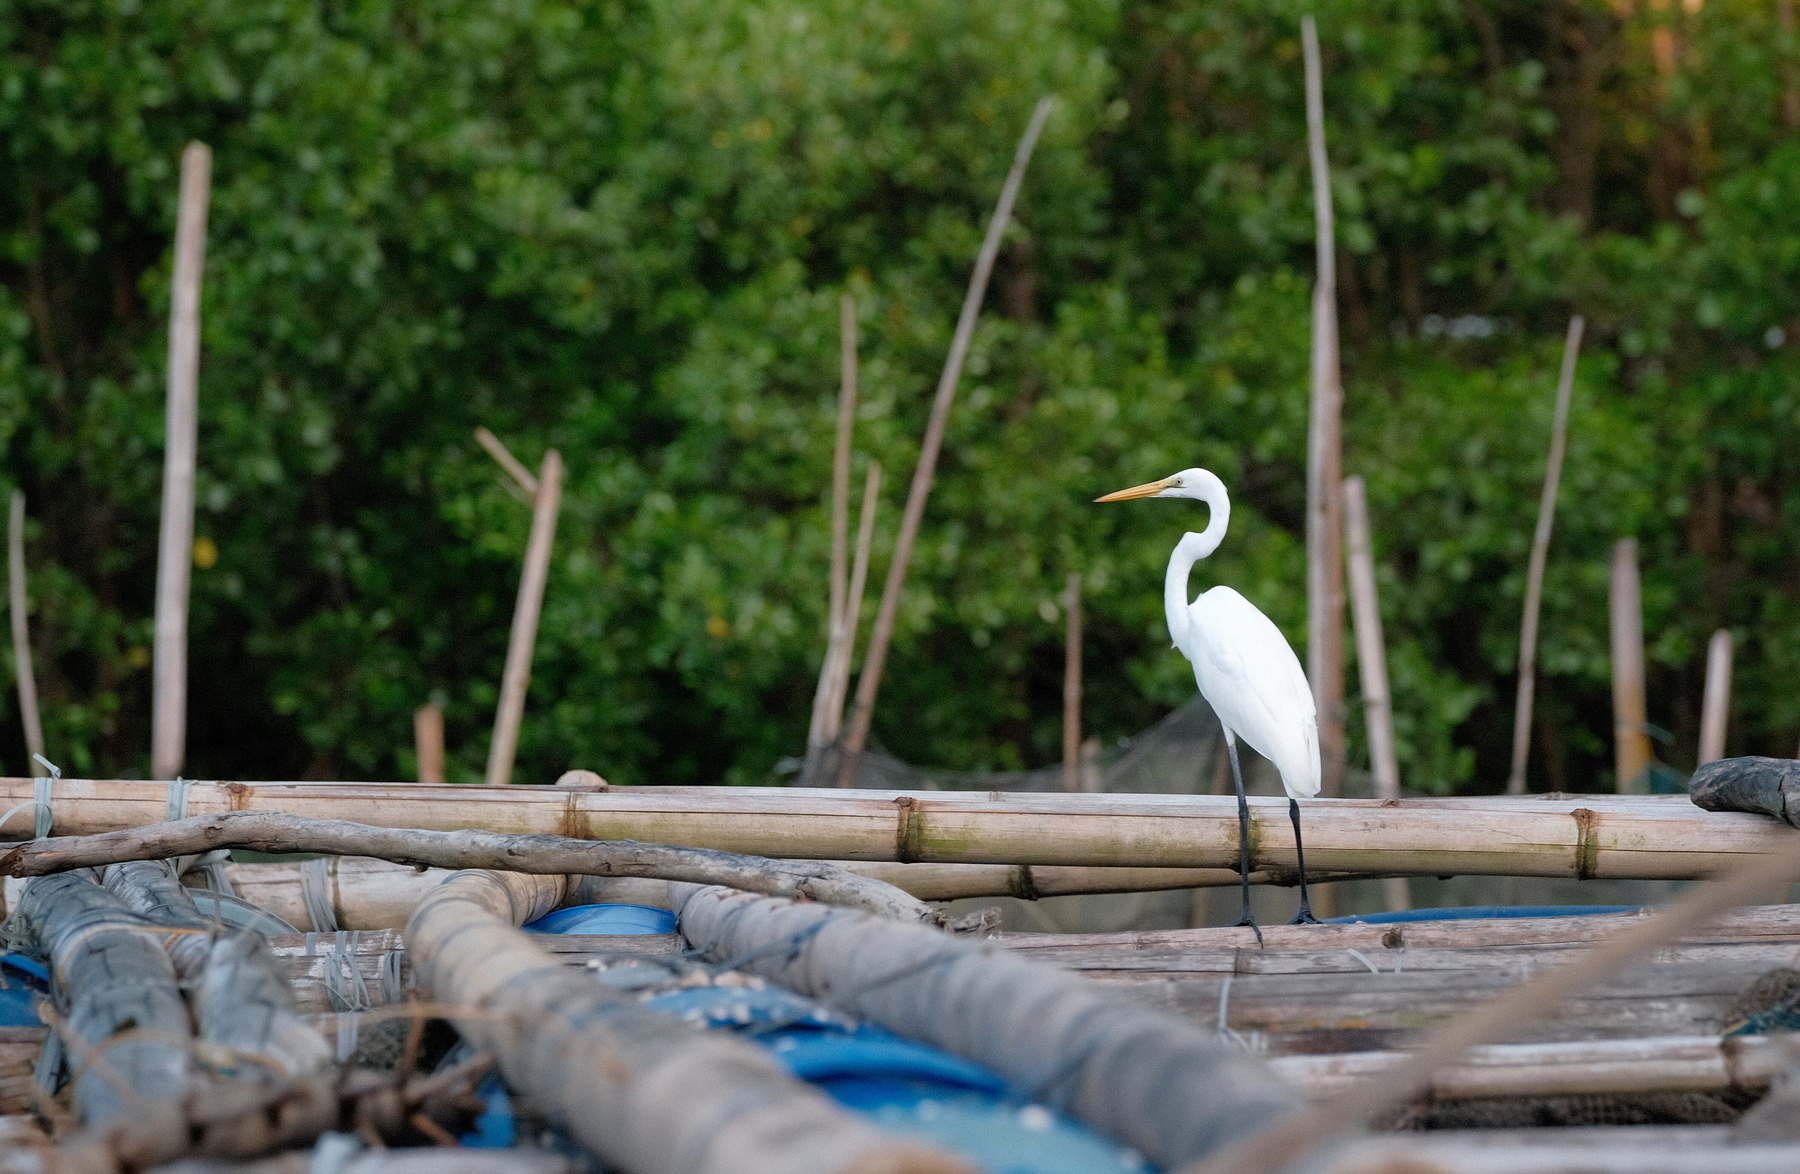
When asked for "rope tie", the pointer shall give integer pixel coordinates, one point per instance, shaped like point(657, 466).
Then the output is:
point(176, 805)
point(347, 1030)
point(315, 890)
point(40, 798)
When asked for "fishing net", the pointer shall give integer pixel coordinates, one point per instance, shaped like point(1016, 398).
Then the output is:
point(1181, 754)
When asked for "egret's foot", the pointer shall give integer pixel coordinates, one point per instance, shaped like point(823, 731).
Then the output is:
point(1305, 917)
point(1250, 920)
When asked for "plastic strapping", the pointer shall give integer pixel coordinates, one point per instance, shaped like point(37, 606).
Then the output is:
point(346, 1035)
point(40, 794)
point(391, 990)
point(315, 889)
point(176, 806)
point(47, 1074)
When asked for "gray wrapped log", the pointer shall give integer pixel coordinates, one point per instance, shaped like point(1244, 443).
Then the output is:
point(1150, 1080)
point(1761, 786)
point(240, 997)
point(644, 1092)
point(113, 977)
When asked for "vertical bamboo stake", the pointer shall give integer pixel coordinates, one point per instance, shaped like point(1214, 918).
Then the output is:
point(859, 579)
point(503, 456)
point(1324, 463)
point(175, 551)
point(1371, 663)
point(876, 659)
point(1540, 553)
point(1072, 686)
point(428, 740)
point(1790, 92)
point(1715, 708)
point(1631, 738)
point(840, 524)
point(525, 621)
point(28, 703)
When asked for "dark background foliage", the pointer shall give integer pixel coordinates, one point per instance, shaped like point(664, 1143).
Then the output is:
point(622, 228)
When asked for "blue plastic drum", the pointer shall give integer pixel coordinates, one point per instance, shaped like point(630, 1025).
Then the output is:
point(605, 919)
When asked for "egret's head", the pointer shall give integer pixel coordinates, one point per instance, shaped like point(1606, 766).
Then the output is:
point(1191, 483)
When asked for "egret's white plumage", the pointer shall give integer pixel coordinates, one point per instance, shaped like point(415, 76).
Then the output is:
point(1244, 666)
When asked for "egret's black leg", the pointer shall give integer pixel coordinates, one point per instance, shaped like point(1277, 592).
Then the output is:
point(1305, 916)
point(1237, 777)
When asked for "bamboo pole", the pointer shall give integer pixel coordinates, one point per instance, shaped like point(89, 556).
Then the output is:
point(1324, 462)
point(859, 578)
point(514, 467)
point(1371, 663)
point(876, 658)
point(1580, 1068)
point(175, 549)
point(840, 528)
point(1582, 836)
point(1540, 553)
point(525, 621)
point(1715, 707)
point(1072, 685)
point(1631, 738)
point(21, 636)
point(428, 742)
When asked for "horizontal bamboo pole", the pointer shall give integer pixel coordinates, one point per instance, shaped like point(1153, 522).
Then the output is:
point(1588, 836)
point(1663, 1064)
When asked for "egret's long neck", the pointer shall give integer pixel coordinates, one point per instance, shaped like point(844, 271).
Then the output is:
point(1190, 550)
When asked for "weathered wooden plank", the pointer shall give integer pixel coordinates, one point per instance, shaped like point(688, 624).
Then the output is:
point(18, 1052)
point(1656, 837)
point(1678, 1149)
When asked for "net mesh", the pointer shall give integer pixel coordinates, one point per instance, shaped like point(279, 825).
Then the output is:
point(1181, 754)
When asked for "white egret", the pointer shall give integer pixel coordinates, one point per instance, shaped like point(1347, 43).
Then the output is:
point(1245, 669)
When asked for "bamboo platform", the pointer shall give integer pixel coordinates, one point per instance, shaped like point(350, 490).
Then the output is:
point(1575, 836)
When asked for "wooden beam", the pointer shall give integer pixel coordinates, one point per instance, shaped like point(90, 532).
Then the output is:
point(21, 636)
point(876, 659)
point(1631, 734)
point(1324, 450)
point(1715, 706)
point(1540, 553)
point(1577, 836)
point(175, 548)
point(530, 605)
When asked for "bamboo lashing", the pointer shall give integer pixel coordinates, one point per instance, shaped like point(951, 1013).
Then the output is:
point(1578, 836)
point(1324, 451)
point(876, 658)
point(1631, 734)
point(517, 678)
point(1371, 662)
point(21, 634)
point(1540, 553)
point(1715, 705)
point(175, 549)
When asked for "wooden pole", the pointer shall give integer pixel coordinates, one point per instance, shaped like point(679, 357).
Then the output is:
point(1631, 737)
point(1371, 663)
point(514, 467)
point(428, 741)
point(1715, 709)
point(817, 735)
point(1582, 836)
point(175, 551)
point(1324, 464)
point(1540, 552)
point(876, 658)
point(525, 621)
point(859, 578)
point(1072, 686)
point(28, 703)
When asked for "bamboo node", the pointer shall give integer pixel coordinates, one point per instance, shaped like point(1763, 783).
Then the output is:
point(1587, 848)
point(908, 832)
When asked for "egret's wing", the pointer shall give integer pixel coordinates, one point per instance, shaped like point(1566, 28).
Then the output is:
point(1252, 679)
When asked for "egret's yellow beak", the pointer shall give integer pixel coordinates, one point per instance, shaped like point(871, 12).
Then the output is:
point(1149, 490)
